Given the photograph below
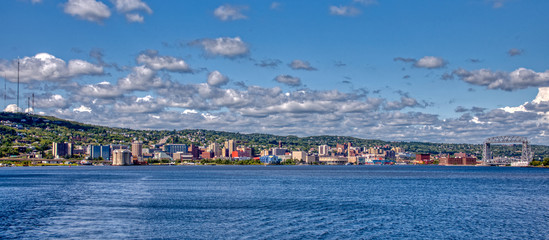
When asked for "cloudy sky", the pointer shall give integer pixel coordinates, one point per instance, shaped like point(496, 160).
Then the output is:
point(440, 71)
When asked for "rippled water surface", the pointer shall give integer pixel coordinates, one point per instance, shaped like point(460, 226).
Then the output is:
point(274, 202)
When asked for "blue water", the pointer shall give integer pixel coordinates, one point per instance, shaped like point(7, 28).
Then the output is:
point(274, 202)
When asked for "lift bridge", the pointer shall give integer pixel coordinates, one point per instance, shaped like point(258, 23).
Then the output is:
point(490, 160)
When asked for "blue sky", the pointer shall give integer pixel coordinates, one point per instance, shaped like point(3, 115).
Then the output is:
point(442, 71)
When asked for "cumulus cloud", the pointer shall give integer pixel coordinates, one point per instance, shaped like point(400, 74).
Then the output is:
point(288, 80)
point(429, 62)
point(13, 108)
point(215, 78)
point(301, 65)
point(82, 109)
point(514, 52)
point(518, 79)
point(405, 101)
point(132, 9)
point(228, 12)
point(348, 11)
point(156, 62)
point(90, 10)
point(103, 90)
point(141, 78)
point(271, 110)
point(46, 67)
point(51, 101)
point(223, 46)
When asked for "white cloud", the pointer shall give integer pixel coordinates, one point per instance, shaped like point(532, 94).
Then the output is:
point(131, 7)
point(135, 17)
point(89, 10)
point(156, 62)
point(51, 101)
point(147, 98)
point(228, 12)
point(215, 78)
point(103, 90)
point(125, 6)
point(224, 46)
point(430, 62)
point(46, 67)
point(82, 108)
point(344, 10)
point(518, 79)
point(288, 80)
point(12, 108)
point(303, 65)
point(141, 78)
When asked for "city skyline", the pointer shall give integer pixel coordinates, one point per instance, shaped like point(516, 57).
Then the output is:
point(431, 71)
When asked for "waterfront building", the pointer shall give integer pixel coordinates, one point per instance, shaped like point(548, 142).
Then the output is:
point(170, 149)
point(137, 150)
point(323, 150)
point(299, 155)
point(121, 157)
point(279, 151)
point(423, 158)
point(180, 156)
point(162, 156)
point(230, 145)
point(271, 159)
point(99, 151)
point(216, 149)
point(265, 152)
point(62, 150)
point(457, 160)
point(333, 160)
point(207, 154)
point(195, 151)
point(311, 159)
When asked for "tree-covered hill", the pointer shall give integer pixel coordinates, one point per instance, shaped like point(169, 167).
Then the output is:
point(40, 131)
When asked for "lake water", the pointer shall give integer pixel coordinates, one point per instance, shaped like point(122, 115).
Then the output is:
point(274, 202)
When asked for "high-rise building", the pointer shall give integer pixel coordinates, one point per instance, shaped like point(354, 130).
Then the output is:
point(216, 149)
point(99, 151)
point(121, 157)
point(279, 151)
point(195, 151)
point(230, 145)
point(173, 148)
point(61, 150)
point(323, 150)
point(137, 150)
point(299, 155)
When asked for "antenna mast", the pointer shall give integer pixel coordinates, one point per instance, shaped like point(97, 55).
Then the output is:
point(5, 91)
point(17, 107)
point(32, 102)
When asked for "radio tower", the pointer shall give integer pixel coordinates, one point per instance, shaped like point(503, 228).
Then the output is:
point(32, 102)
point(17, 107)
point(5, 92)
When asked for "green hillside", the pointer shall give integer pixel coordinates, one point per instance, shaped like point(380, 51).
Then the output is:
point(38, 133)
